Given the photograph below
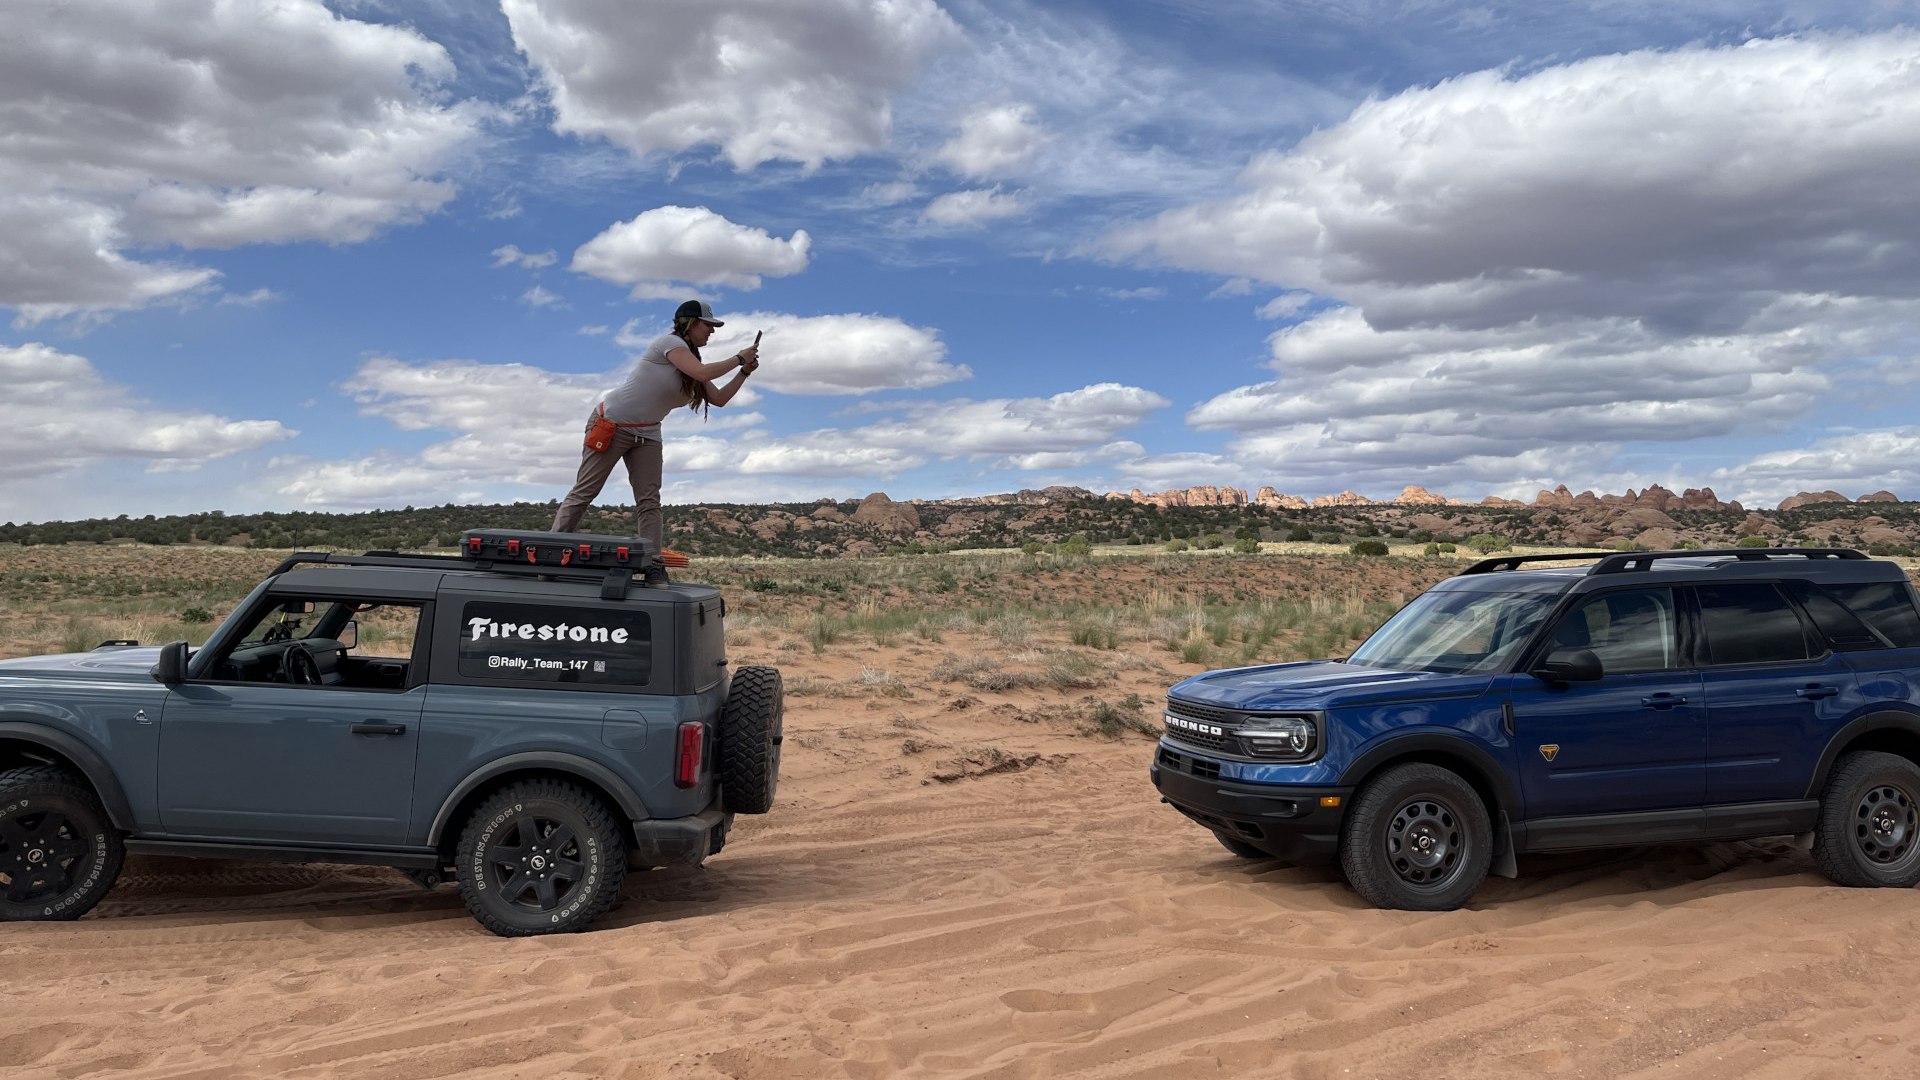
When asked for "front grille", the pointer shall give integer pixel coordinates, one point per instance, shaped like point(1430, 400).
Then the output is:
point(1206, 713)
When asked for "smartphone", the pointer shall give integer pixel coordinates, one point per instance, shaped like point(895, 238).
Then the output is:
point(756, 338)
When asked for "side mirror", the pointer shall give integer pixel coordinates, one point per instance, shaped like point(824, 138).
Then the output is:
point(1568, 665)
point(349, 635)
point(172, 668)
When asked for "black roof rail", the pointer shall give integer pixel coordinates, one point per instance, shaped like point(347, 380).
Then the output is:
point(613, 583)
point(1628, 561)
point(1512, 562)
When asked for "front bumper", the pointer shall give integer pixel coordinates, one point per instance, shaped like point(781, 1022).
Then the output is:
point(1285, 821)
point(683, 841)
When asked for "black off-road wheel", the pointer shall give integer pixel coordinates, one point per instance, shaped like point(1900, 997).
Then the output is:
point(1869, 831)
point(540, 857)
point(59, 854)
point(751, 731)
point(1240, 847)
point(1417, 838)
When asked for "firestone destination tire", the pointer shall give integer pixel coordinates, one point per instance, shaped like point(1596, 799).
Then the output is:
point(1417, 838)
point(752, 727)
point(59, 853)
point(540, 857)
point(1869, 831)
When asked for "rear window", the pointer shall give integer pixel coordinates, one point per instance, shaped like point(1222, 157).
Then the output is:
point(534, 643)
point(1750, 623)
point(1887, 606)
point(1842, 628)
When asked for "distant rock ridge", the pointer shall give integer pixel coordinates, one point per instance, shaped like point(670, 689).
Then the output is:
point(1655, 497)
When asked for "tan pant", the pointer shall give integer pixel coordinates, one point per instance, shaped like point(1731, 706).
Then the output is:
point(642, 456)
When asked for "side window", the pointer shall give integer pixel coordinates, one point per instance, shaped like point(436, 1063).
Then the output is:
point(1887, 606)
point(568, 645)
point(1842, 629)
point(360, 644)
point(1630, 631)
point(1750, 623)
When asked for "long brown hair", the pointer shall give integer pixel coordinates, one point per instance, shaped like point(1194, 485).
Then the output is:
point(695, 390)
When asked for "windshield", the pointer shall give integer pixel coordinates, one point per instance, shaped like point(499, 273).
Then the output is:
point(1455, 632)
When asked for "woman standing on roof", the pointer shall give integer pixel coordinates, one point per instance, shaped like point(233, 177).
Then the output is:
point(626, 425)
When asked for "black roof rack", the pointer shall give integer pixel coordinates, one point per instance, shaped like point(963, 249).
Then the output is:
point(613, 583)
point(1512, 562)
point(1628, 561)
point(1621, 562)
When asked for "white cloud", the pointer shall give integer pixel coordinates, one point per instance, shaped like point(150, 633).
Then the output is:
point(690, 244)
point(972, 209)
point(511, 255)
point(593, 331)
point(994, 141)
point(889, 194)
point(1655, 246)
point(838, 354)
point(255, 298)
point(135, 125)
point(1851, 464)
point(539, 297)
point(518, 427)
point(1144, 292)
point(807, 81)
point(60, 414)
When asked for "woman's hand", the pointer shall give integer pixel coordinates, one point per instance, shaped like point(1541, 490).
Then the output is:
point(749, 357)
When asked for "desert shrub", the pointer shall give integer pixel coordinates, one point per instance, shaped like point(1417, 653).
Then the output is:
point(1446, 548)
point(1488, 543)
point(1752, 541)
point(1331, 538)
point(1629, 545)
point(1077, 544)
point(761, 584)
point(1431, 549)
point(1299, 534)
point(944, 581)
point(1075, 671)
point(1095, 635)
point(1032, 547)
point(1890, 550)
point(1246, 545)
point(1176, 544)
point(1114, 720)
point(196, 615)
point(1688, 545)
point(1211, 540)
point(1193, 652)
point(1367, 547)
point(1012, 629)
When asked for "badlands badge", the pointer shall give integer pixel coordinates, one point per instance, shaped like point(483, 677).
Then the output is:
point(1549, 750)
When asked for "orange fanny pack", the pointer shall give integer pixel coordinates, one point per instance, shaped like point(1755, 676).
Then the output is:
point(600, 435)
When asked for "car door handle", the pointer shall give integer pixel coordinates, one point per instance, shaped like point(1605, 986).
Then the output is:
point(1814, 690)
point(1662, 701)
point(379, 729)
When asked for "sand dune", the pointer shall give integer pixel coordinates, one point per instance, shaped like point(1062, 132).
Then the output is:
point(1052, 919)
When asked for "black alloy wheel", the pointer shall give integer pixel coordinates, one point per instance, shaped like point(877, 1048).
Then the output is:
point(1417, 838)
point(58, 852)
point(1868, 835)
point(541, 857)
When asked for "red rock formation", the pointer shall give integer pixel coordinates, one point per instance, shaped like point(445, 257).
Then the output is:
point(886, 515)
point(1345, 498)
point(1808, 498)
point(1879, 496)
point(1414, 495)
point(1558, 497)
point(1495, 500)
point(1266, 496)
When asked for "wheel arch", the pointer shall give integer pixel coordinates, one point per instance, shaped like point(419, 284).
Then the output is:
point(1889, 730)
point(534, 765)
point(1474, 764)
point(22, 743)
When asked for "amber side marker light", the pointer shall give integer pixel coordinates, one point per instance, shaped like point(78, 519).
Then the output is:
point(1329, 800)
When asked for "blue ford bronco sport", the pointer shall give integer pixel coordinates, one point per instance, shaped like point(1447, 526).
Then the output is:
point(1646, 698)
point(523, 718)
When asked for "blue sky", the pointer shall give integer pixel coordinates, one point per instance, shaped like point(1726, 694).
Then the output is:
point(371, 254)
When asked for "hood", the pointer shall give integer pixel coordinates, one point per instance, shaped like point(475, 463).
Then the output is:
point(118, 663)
point(1322, 684)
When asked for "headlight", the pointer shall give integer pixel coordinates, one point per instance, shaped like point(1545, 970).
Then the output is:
point(1278, 736)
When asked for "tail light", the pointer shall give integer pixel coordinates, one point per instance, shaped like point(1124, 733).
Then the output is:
point(693, 753)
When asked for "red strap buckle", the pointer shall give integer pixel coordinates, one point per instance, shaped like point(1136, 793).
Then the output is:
point(473, 544)
point(586, 551)
point(530, 552)
point(620, 553)
point(513, 547)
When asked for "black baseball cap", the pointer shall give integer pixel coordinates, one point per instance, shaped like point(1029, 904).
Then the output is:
point(697, 309)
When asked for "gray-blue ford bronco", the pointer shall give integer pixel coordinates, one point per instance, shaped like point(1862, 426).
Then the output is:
point(1650, 697)
point(524, 718)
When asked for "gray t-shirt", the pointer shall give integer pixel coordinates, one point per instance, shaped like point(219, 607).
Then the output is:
point(653, 390)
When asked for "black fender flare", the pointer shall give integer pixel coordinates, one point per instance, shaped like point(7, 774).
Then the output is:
point(1434, 742)
point(86, 759)
point(1873, 721)
point(549, 760)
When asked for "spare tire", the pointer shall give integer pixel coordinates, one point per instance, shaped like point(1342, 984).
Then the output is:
point(750, 735)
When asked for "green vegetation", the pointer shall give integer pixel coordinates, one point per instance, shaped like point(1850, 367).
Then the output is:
point(1753, 542)
point(1488, 543)
point(1368, 547)
point(1246, 545)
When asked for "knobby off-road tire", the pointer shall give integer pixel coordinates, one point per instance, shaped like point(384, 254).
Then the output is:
point(1240, 847)
point(540, 857)
point(1869, 830)
point(1417, 838)
point(59, 853)
point(751, 731)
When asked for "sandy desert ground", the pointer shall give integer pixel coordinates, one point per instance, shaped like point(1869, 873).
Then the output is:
point(964, 882)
